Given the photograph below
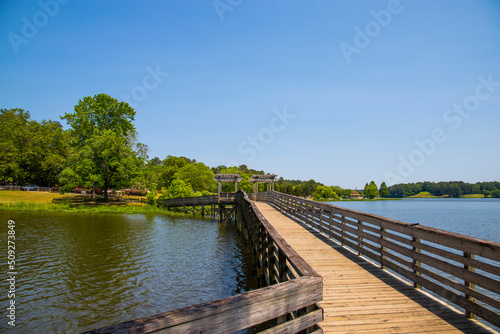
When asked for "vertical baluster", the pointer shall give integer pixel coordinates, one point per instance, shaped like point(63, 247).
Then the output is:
point(273, 275)
point(343, 230)
point(360, 238)
point(416, 263)
point(382, 247)
point(469, 285)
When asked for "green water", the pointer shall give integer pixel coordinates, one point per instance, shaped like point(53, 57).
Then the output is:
point(77, 272)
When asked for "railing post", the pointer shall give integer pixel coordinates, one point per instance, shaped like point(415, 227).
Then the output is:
point(343, 230)
point(360, 238)
point(273, 274)
point(321, 228)
point(265, 256)
point(282, 266)
point(382, 247)
point(416, 263)
point(469, 285)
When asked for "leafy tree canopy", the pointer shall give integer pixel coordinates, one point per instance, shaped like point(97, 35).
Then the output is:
point(449, 189)
point(32, 152)
point(371, 190)
point(100, 112)
point(384, 190)
point(102, 141)
point(198, 175)
point(177, 189)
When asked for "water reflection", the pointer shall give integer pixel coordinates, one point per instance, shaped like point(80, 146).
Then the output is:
point(82, 271)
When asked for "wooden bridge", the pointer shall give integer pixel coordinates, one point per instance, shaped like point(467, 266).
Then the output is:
point(325, 269)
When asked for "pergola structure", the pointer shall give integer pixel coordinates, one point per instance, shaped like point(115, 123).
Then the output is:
point(256, 179)
point(227, 178)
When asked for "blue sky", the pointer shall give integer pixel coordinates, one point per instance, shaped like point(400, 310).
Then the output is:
point(343, 92)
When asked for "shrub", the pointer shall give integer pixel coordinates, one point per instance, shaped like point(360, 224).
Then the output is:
point(151, 198)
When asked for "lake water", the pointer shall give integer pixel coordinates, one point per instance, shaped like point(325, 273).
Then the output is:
point(77, 272)
point(475, 217)
point(479, 218)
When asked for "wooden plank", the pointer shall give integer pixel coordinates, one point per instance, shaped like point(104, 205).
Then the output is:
point(230, 314)
point(479, 247)
point(353, 286)
point(298, 324)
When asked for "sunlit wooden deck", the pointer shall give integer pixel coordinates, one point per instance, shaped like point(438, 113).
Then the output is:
point(359, 297)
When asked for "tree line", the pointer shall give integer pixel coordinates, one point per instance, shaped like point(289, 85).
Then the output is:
point(449, 189)
point(99, 151)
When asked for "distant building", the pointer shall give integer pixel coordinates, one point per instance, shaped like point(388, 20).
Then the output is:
point(355, 195)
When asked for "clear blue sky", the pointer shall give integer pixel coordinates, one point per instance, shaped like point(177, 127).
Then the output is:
point(337, 91)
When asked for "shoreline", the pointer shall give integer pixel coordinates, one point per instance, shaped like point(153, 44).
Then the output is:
point(85, 208)
point(358, 200)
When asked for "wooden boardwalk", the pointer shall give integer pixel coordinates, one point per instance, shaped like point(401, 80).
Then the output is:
point(359, 297)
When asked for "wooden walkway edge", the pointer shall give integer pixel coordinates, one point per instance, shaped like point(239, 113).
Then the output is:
point(359, 297)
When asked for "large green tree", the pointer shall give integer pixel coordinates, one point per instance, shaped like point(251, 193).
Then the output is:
point(177, 189)
point(198, 175)
point(14, 137)
point(32, 152)
point(371, 190)
point(324, 192)
point(103, 144)
point(384, 190)
point(170, 165)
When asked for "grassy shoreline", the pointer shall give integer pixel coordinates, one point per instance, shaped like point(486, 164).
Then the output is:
point(85, 208)
point(426, 194)
point(53, 202)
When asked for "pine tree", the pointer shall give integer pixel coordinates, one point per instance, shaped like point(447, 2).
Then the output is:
point(384, 190)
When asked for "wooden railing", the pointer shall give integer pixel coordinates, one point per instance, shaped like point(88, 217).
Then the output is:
point(460, 269)
point(189, 201)
point(287, 305)
point(199, 200)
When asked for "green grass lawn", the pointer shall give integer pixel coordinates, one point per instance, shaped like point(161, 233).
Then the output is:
point(44, 201)
point(473, 196)
point(12, 196)
point(424, 194)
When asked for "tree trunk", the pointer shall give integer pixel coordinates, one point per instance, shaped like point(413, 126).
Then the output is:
point(93, 193)
point(105, 192)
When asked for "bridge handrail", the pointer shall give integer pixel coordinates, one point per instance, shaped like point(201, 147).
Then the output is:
point(458, 268)
point(198, 200)
point(188, 201)
point(290, 306)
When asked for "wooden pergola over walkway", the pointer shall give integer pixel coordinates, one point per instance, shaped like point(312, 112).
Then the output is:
point(227, 178)
point(256, 179)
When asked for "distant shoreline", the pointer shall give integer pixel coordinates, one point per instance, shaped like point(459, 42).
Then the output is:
point(357, 200)
point(426, 194)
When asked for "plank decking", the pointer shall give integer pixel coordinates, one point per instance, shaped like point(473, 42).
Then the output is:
point(359, 297)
